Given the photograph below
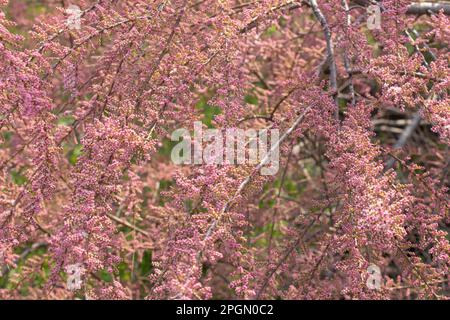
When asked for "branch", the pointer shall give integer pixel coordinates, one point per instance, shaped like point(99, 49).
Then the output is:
point(417, 8)
point(347, 64)
point(244, 183)
point(330, 47)
point(427, 7)
point(4, 270)
point(127, 224)
point(290, 5)
point(415, 121)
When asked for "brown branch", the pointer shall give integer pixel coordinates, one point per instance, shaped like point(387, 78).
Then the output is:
point(127, 224)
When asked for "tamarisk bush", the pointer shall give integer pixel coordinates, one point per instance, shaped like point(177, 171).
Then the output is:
point(86, 114)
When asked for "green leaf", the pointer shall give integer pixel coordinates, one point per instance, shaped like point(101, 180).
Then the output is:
point(66, 121)
point(266, 204)
point(271, 30)
point(167, 146)
point(410, 48)
point(146, 264)
point(342, 103)
point(209, 112)
point(105, 276)
point(18, 178)
point(75, 153)
point(290, 187)
point(7, 135)
point(251, 99)
point(124, 272)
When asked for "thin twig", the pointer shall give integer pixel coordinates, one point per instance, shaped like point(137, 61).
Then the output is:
point(404, 138)
point(127, 224)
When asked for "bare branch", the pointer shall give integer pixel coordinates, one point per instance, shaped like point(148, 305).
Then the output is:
point(427, 7)
point(403, 138)
point(330, 46)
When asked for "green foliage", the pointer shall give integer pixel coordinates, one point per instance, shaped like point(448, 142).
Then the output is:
point(18, 178)
point(208, 111)
point(270, 30)
point(251, 99)
point(66, 120)
point(146, 266)
point(75, 153)
point(7, 135)
point(105, 276)
point(166, 147)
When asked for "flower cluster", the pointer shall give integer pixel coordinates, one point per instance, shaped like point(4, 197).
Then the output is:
point(86, 180)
